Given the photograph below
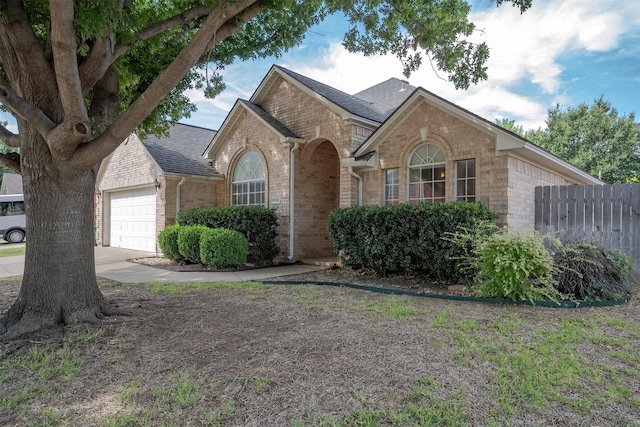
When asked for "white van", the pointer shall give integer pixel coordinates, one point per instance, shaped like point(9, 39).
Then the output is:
point(13, 221)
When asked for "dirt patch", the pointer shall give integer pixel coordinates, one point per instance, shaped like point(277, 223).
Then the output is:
point(294, 355)
point(336, 275)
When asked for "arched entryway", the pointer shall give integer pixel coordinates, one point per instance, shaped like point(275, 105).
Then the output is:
point(317, 194)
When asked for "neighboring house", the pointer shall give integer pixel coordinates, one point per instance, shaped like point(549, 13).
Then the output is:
point(305, 148)
point(144, 184)
point(11, 184)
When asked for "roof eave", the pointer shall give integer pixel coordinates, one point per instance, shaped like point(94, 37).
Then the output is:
point(216, 177)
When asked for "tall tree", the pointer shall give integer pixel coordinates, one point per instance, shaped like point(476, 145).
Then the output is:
point(594, 138)
point(80, 76)
point(511, 126)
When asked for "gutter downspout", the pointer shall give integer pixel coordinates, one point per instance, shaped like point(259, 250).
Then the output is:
point(182, 181)
point(359, 178)
point(292, 174)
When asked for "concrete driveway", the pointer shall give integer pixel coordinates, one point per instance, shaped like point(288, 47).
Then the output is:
point(111, 263)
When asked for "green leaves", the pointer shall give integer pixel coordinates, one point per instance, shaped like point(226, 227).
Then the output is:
point(595, 139)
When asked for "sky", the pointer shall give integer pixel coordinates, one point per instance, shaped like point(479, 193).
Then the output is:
point(562, 52)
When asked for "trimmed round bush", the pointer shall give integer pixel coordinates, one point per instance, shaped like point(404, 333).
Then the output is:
point(189, 242)
point(221, 247)
point(168, 241)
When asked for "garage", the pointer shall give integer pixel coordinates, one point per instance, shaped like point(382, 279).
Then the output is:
point(133, 219)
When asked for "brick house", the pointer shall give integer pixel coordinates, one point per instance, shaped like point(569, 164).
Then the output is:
point(144, 184)
point(305, 148)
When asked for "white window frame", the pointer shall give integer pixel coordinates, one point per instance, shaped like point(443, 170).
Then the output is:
point(427, 157)
point(466, 196)
point(248, 181)
point(393, 186)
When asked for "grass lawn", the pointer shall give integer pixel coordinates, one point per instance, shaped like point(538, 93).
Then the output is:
point(10, 250)
point(251, 354)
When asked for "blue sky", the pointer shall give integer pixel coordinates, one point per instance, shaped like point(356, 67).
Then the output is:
point(559, 52)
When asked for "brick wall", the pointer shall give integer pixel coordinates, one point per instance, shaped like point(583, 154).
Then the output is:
point(458, 140)
point(321, 185)
point(249, 133)
point(317, 187)
point(524, 177)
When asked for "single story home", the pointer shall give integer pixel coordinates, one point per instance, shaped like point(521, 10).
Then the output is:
point(143, 185)
point(305, 148)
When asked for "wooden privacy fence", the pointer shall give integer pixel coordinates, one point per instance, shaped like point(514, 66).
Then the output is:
point(606, 214)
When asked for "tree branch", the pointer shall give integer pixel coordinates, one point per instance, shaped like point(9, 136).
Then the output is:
point(21, 108)
point(10, 138)
point(12, 161)
point(76, 127)
point(87, 155)
point(230, 28)
point(95, 65)
point(24, 44)
point(154, 30)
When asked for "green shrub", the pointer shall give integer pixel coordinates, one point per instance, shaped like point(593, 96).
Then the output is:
point(257, 223)
point(516, 266)
point(189, 242)
point(467, 241)
point(587, 272)
point(404, 238)
point(168, 241)
point(220, 247)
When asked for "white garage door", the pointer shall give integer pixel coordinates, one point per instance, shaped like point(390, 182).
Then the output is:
point(133, 219)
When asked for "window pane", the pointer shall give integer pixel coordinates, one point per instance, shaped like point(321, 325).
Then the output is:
point(461, 170)
point(471, 187)
point(471, 169)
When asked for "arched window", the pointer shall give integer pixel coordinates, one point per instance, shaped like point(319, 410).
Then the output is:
point(247, 187)
point(427, 174)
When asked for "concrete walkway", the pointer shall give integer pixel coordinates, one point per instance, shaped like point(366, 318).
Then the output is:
point(111, 263)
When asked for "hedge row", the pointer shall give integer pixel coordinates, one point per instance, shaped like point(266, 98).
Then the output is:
point(196, 244)
point(258, 224)
point(405, 238)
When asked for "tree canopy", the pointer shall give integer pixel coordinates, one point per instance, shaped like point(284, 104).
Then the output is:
point(595, 138)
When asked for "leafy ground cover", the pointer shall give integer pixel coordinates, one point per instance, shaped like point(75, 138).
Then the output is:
point(251, 354)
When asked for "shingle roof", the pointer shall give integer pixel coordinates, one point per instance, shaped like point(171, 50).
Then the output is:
point(269, 119)
point(350, 103)
point(387, 96)
point(181, 151)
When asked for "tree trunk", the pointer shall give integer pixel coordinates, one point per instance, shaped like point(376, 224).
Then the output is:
point(59, 284)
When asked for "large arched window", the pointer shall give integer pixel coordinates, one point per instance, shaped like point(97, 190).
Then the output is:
point(247, 187)
point(427, 174)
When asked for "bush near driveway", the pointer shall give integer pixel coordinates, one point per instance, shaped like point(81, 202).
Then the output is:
point(257, 223)
point(222, 248)
point(189, 242)
point(168, 241)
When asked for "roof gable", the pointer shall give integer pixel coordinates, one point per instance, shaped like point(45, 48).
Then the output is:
point(348, 106)
point(506, 141)
point(283, 132)
point(180, 151)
